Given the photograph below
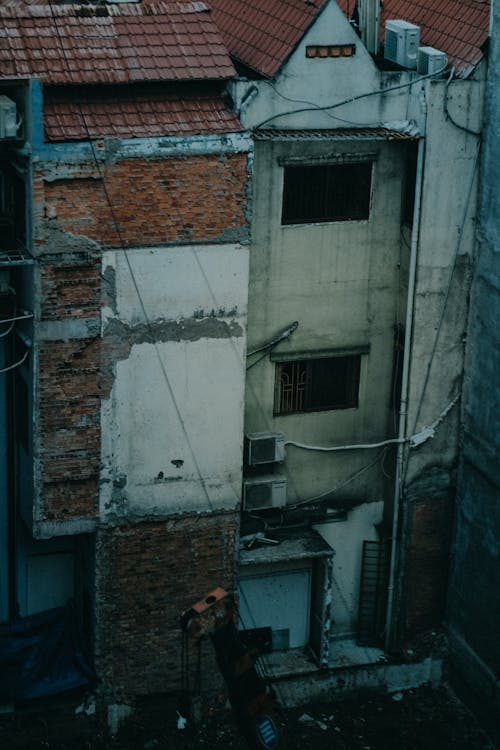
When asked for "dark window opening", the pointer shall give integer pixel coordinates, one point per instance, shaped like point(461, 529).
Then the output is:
point(330, 192)
point(317, 384)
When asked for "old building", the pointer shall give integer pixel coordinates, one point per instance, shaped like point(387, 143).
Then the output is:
point(365, 179)
point(129, 180)
point(474, 601)
point(164, 164)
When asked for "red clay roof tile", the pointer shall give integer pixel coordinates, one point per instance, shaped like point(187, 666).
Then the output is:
point(112, 111)
point(457, 27)
point(262, 34)
point(111, 43)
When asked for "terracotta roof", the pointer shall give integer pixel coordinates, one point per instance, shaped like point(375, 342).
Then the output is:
point(70, 114)
point(262, 34)
point(457, 27)
point(112, 43)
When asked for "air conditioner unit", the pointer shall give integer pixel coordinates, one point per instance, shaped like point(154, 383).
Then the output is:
point(264, 492)
point(430, 60)
point(264, 448)
point(9, 124)
point(401, 43)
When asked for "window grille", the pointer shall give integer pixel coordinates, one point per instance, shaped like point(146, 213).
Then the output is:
point(317, 384)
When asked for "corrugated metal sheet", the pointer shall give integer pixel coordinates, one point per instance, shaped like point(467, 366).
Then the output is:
point(457, 27)
point(72, 115)
point(263, 33)
point(112, 43)
point(338, 134)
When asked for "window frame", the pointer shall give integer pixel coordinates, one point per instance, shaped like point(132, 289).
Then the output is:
point(308, 362)
point(336, 205)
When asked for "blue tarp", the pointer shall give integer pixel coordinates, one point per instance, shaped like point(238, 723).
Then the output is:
point(42, 655)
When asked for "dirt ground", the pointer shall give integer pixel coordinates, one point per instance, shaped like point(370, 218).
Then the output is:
point(423, 719)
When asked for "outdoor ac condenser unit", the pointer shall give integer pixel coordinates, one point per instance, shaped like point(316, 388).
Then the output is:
point(9, 124)
point(401, 43)
point(264, 448)
point(264, 492)
point(430, 60)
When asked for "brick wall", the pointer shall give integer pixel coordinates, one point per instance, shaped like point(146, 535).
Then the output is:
point(174, 199)
point(169, 200)
point(147, 575)
point(69, 427)
point(427, 564)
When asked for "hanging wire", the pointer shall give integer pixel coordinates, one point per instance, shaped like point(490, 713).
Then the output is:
point(16, 364)
point(135, 284)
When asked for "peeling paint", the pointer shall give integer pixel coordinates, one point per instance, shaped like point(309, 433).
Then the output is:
point(173, 330)
point(109, 287)
point(58, 240)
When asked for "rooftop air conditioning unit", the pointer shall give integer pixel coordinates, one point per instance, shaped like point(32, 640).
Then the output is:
point(264, 492)
point(9, 124)
point(401, 43)
point(264, 448)
point(430, 61)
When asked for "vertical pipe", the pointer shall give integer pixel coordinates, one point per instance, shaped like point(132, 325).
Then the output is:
point(403, 410)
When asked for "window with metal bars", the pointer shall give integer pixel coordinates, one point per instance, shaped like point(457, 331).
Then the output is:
point(321, 384)
point(326, 192)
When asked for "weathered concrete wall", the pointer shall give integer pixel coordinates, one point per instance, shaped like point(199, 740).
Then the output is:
point(474, 601)
point(153, 201)
point(173, 419)
point(346, 284)
point(139, 347)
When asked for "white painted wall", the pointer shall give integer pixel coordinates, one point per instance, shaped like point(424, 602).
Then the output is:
point(346, 538)
point(189, 408)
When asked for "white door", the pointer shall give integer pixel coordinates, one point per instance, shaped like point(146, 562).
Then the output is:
point(280, 601)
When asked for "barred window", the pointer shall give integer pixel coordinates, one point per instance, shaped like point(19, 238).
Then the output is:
point(317, 384)
point(326, 192)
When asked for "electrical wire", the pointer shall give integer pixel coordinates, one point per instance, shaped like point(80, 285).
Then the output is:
point(26, 316)
point(16, 364)
point(352, 99)
point(134, 280)
point(338, 486)
point(316, 106)
point(447, 111)
point(447, 294)
point(9, 329)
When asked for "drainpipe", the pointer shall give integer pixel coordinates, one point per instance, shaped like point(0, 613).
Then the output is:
point(403, 409)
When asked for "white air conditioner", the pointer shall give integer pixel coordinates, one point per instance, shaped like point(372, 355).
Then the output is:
point(9, 124)
point(430, 61)
point(264, 492)
point(264, 448)
point(401, 43)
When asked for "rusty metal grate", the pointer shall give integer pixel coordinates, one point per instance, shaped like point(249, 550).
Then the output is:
point(373, 593)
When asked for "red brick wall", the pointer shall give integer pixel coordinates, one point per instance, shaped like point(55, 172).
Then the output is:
point(154, 201)
point(70, 287)
point(147, 575)
point(169, 200)
point(69, 427)
point(427, 564)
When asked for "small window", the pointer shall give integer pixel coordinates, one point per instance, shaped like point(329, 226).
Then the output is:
point(326, 192)
point(317, 384)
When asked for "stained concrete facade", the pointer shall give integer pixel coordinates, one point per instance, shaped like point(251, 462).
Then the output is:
point(346, 285)
point(474, 598)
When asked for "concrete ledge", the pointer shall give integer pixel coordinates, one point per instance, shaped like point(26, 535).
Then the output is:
point(336, 684)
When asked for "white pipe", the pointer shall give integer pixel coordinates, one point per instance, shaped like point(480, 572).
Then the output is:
point(403, 412)
point(358, 446)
